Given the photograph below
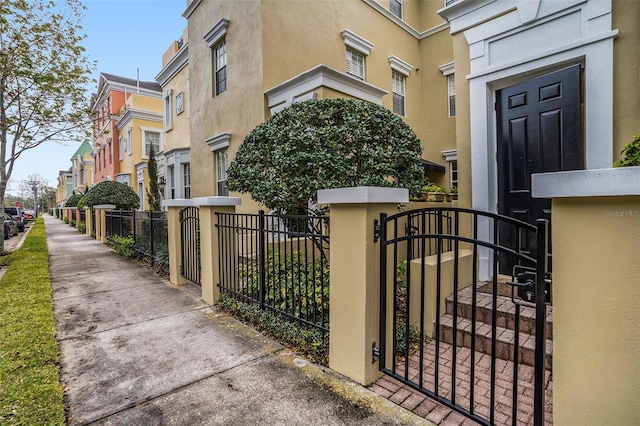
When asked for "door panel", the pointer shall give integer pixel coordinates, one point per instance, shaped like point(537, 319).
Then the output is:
point(539, 130)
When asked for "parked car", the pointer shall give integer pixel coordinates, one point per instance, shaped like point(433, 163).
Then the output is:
point(16, 214)
point(10, 226)
point(29, 214)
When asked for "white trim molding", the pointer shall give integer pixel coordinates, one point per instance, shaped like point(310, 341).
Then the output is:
point(611, 182)
point(450, 155)
point(356, 42)
point(447, 69)
point(286, 92)
point(174, 66)
point(363, 195)
point(219, 142)
point(216, 33)
point(400, 66)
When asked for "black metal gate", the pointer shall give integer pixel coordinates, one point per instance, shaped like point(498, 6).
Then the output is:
point(190, 244)
point(452, 328)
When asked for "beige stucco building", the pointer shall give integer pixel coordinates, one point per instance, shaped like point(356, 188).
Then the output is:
point(82, 168)
point(174, 162)
point(248, 60)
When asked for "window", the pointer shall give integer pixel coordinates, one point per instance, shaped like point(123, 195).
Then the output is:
point(395, 6)
point(453, 169)
point(355, 64)
point(121, 147)
point(221, 171)
point(141, 194)
point(451, 83)
point(220, 67)
point(398, 92)
point(129, 139)
point(151, 139)
point(171, 182)
point(179, 103)
point(167, 110)
point(186, 179)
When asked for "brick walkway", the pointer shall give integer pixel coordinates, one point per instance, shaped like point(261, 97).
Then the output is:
point(439, 414)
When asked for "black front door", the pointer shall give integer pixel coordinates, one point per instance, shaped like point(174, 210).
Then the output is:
point(539, 130)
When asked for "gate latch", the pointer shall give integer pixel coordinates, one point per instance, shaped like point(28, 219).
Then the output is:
point(376, 230)
point(526, 286)
point(375, 352)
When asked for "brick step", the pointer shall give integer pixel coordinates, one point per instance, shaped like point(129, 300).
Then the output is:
point(504, 340)
point(505, 315)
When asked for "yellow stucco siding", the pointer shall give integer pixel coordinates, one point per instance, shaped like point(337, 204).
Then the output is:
point(626, 74)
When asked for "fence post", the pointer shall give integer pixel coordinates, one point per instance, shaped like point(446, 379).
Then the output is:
point(354, 260)
point(101, 226)
point(209, 250)
point(261, 255)
point(88, 220)
point(174, 238)
point(595, 292)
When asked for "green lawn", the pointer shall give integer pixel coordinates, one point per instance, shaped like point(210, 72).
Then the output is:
point(30, 389)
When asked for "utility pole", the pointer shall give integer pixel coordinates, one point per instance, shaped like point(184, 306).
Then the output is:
point(34, 188)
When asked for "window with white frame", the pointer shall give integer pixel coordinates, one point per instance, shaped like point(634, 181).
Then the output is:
point(129, 140)
point(451, 89)
point(398, 85)
point(150, 138)
point(167, 110)
point(395, 6)
point(220, 67)
point(141, 194)
point(121, 147)
point(355, 64)
point(180, 103)
point(451, 157)
point(171, 181)
point(222, 163)
point(186, 179)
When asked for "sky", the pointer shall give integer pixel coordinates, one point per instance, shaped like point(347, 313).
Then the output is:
point(122, 36)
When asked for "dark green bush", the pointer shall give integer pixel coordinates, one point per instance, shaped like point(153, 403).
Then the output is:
point(122, 245)
point(630, 154)
point(112, 192)
point(82, 227)
point(73, 200)
point(307, 341)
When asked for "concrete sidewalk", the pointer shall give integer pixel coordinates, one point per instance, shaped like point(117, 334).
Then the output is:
point(136, 350)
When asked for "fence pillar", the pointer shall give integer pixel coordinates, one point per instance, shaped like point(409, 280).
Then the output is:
point(101, 225)
point(354, 274)
point(87, 221)
point(175, 238)
point(209, 250)
point(595, 291)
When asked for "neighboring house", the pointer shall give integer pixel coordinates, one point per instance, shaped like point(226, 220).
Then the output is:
point(140, 127)
point(250, 59)
point(82, 168)
point(105, 105)
point(65, 187)
point(174, 162)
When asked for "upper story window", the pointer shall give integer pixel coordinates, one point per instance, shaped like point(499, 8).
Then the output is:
point(129, 139)
point(451, 89)
point(357, 49)
point(395, 6)
point(180, 103)
point(220, 67)
point(216, 40)
point(150, 138)
point(448, 71)
point(398, 84)
point(167, 110)
point(355, 64)
point(121, 147)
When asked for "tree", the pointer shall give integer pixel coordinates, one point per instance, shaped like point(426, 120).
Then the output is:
point(153, 193)
point(321, 144)
point(43, 75)
point(111, 192)
point(32, 188)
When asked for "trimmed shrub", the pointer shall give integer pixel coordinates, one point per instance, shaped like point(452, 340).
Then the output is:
point(112, 192)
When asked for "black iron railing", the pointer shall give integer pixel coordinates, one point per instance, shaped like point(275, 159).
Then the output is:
point(148, 229)
point(280, 262)
point(190, 259)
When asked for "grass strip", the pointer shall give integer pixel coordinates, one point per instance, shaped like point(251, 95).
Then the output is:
point(30, 389)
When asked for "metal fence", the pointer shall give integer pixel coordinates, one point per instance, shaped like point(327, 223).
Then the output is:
point(280, 262)
point(148, 230)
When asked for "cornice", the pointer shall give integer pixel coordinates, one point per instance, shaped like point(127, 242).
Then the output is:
point(402, 24)
point(190, 8)
point(175, 65)
point(133, 113)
